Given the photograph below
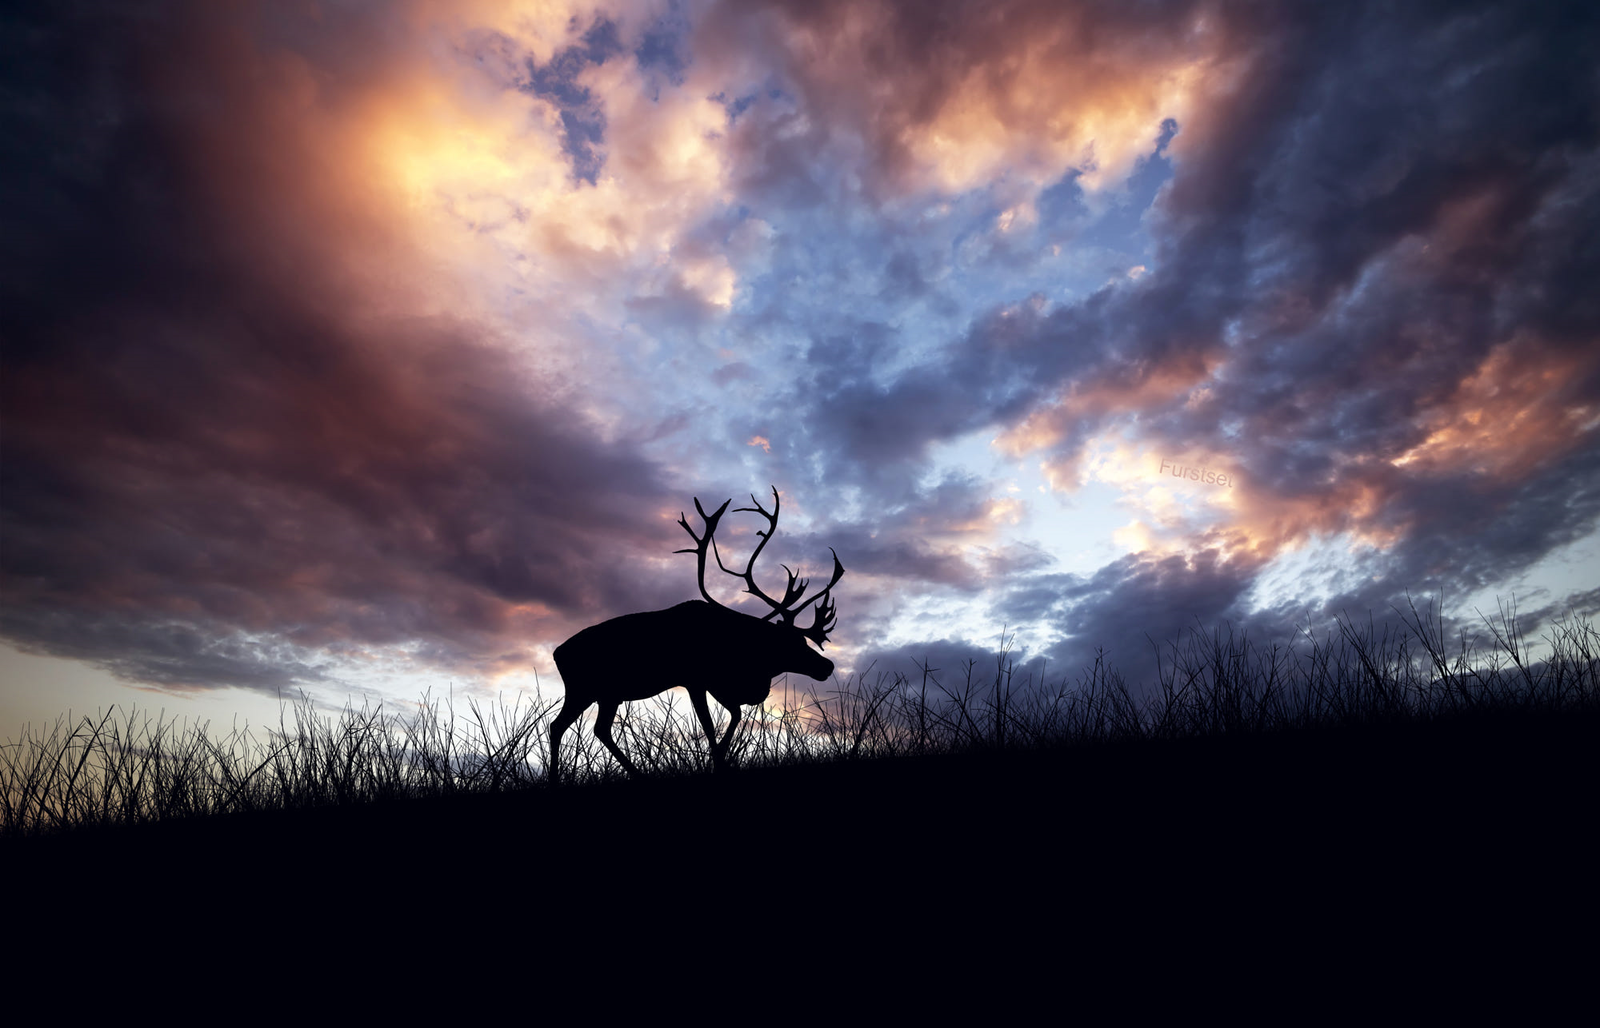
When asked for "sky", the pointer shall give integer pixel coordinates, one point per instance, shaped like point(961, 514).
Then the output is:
point(362, 349)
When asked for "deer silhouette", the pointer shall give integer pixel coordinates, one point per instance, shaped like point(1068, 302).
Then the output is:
point(715, 649)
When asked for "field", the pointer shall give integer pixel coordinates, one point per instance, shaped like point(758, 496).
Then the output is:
point(125, 770)
point(1366, 787)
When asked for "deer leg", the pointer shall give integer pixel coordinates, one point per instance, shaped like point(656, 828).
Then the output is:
point(570, 711)
point(602, 731)
point(733, 726)
point(698, 698)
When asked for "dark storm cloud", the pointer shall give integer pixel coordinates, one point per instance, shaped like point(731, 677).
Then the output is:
point(1133, 606)
point(214, 467)
point(187, 653)
point(1401, 197)
point(1007, 362)
point(229, 453)
point(946, 667)
point(1380, 230)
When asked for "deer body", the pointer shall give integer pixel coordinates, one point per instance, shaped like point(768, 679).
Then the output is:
point(701, 645)
point(732, 657)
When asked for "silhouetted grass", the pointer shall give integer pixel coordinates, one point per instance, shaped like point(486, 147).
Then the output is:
point(118, 769)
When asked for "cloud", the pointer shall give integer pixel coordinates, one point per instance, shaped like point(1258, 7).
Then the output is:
point(412, 327)
point(234, 411)
point(946, 97)
point(1363, 294)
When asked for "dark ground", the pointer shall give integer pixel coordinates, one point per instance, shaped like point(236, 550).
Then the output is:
point(1466, 846)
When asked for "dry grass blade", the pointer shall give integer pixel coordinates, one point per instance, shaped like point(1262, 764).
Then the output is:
point(129, 768)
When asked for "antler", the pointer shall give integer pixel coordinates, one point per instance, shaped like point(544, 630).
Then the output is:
point(790, 594)
point(823, 617)
point(788, 608)
point(702, 542)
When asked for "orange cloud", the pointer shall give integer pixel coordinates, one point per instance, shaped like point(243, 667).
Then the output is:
point(1502, 423)
point(1037, 116)
point(955, 97)
point(1118, 391)
point(1509, 416)
point(477, 169)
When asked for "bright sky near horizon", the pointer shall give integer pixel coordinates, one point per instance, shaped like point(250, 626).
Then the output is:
point(364, 349)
